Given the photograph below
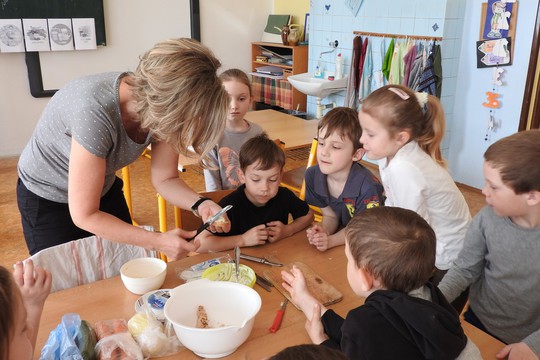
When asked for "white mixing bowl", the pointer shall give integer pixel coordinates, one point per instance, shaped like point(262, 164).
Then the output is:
point(142, 275)
point(231, 310)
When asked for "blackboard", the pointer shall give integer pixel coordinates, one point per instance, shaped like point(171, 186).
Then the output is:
point(56, 9)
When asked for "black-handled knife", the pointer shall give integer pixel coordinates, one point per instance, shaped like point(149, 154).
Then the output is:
point(210, 221)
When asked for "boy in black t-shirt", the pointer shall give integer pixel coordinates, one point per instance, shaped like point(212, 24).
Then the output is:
point(261, 207)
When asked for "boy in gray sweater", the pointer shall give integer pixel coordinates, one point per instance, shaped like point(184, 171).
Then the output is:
point(500, 256)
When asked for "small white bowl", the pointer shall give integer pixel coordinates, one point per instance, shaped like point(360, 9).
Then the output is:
point(231, 310)
point(142, 275)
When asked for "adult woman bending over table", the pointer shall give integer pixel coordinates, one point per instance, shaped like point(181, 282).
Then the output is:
point(95, 125)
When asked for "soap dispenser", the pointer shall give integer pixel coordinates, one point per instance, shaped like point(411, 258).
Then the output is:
point(319, 71)
point(339, 67)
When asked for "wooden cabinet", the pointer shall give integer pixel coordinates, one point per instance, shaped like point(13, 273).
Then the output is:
point(275, 91)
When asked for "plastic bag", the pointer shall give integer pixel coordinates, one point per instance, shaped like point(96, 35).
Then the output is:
point(154, 338)
point(115, 341)
point(61, 342)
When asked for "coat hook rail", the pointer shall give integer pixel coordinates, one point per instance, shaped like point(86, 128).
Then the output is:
point(398, 36)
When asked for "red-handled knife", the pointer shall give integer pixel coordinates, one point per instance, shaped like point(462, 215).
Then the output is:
point(279, 317)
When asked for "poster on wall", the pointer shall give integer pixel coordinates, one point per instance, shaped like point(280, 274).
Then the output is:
point(61, 34)
point(84, 34)
point(354, 6)
point(498, 19)
point(36, 35)
point(11, 35)
point(491, 53)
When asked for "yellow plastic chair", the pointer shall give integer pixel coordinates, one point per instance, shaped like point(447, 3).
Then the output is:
point(280, 143)
point(295, 181)
point(126, 178)
point(127, 192)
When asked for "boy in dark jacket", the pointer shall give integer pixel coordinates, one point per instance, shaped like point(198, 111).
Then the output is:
point(390, 258)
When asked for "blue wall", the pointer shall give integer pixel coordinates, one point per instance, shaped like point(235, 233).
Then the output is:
point(467, 144)
point(464, 85)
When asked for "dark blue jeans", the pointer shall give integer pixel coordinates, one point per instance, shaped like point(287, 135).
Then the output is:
point(47, 223)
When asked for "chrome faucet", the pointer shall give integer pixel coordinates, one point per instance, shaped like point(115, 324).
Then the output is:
point(334, 44)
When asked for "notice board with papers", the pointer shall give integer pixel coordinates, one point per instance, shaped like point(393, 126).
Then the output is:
point(55, 9)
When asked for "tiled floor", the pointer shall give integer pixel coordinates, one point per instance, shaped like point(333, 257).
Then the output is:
point(13, 247)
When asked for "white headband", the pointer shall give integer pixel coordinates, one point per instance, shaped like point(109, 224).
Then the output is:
point(422, 98)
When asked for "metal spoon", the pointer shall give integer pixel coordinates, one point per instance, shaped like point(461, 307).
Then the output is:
point(236, 260)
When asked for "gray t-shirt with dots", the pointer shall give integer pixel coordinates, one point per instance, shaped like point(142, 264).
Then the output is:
point(87, 110)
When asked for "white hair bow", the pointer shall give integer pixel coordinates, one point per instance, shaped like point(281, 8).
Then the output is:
point(422, 98)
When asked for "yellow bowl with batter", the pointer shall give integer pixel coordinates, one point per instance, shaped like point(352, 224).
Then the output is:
point(226, 272)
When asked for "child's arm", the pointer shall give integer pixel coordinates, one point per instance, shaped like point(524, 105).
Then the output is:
point(295, 284)
point(322, 235)
point(330, 221)
point(277, 230)
point(470, 264)
point(35, 285)
point(315, 327)
point(257, 235)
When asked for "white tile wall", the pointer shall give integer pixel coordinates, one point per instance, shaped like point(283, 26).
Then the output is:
point(412, 17)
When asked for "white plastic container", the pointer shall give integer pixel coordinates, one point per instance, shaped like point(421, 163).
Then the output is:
point(142, 275)
point(339, 67)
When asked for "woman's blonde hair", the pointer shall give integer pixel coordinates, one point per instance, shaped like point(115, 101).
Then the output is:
point(179, 97)
point(398, 108)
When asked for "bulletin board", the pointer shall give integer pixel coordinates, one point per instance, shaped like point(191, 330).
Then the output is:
point(160, 19)
point(55, 9)
point(511, 33)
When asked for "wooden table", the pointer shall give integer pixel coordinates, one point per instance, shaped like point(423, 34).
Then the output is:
point(293, 131)
point(108, 299)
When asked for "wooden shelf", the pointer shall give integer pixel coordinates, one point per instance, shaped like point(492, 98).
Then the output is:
point(260, 63)
point(286, 96)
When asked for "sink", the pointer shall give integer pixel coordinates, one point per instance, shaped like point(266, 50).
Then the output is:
point(320, 88)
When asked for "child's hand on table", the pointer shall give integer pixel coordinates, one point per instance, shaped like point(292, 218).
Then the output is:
point(295, 284)
point(257, 235)
point(318, 237)
point(276, 231)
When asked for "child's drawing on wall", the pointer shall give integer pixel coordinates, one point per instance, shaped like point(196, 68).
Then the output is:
point(493, 53)
point(497, 19)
